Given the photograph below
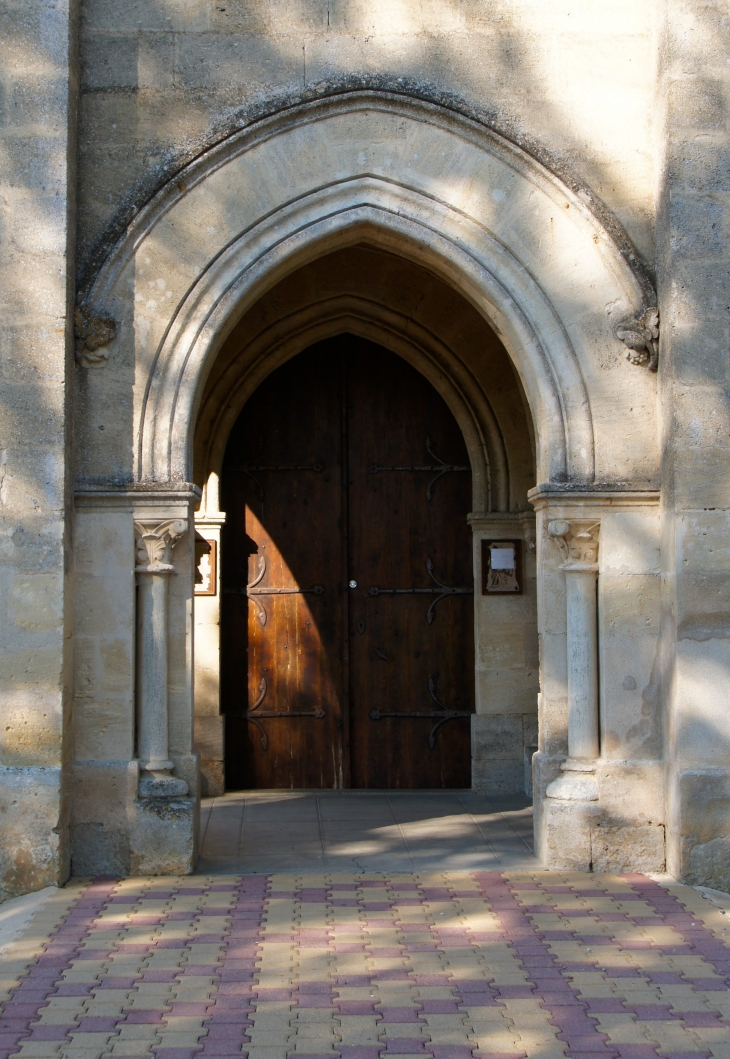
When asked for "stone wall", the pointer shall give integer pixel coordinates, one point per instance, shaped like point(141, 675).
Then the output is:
point(38, 76)
point(627, 104)
point(161, 79)
point(694, 286)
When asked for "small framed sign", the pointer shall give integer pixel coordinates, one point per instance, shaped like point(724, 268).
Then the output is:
point(206, 555)
point(502, 567)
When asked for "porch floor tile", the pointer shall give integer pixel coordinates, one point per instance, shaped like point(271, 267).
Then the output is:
point(362, 831)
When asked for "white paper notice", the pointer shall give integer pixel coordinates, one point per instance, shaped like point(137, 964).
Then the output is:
point(503, 558)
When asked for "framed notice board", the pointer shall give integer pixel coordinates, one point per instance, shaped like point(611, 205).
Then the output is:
point(502, 567)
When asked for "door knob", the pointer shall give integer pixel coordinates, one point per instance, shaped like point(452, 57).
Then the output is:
point(353, 584)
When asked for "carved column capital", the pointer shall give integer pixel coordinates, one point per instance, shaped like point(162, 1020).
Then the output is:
point(154, 543)
point(577, 541)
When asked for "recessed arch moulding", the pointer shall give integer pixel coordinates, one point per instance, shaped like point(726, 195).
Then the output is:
point(416, 181)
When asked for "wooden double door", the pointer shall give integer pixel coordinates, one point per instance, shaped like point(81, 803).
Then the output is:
point(347, 609)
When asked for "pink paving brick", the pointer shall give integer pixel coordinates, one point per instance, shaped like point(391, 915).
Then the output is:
point(499, 1055)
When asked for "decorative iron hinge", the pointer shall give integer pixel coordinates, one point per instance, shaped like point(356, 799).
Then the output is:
point(441, 716)
point(270, 715)
point(253, 591)
point(247, 468)
point(441, 592)
point(440, 467)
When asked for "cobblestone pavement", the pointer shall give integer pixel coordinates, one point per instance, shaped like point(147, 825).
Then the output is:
point(449, 965)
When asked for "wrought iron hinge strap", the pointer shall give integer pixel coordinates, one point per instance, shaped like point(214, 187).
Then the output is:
point(441, 716)
point(247, 468)
point(441, 591)
point(259, 715)
point(440, 467)
point(253, 590)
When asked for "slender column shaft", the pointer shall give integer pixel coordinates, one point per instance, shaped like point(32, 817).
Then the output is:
point(580, 588)
point(155, 541)
point(152, 672)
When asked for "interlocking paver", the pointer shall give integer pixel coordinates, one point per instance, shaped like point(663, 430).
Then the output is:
point(449, 966)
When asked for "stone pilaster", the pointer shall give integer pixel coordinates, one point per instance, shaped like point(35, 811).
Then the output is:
point(37, 203)
point(504, 726)
point(693, 273)
point(209, 726)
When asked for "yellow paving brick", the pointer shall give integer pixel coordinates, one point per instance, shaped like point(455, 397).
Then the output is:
point(495, 1040)
point(268, 1038)
point(672, 1037)
point(315, 1031)
point(305, 1048)
point(482, 1020)
point(135, 1032)
point(178, 1040)
point(711, 1035)
point(131, 1048)
point(38, 1049)
point(75, 1052)
point(393, 1030)
point(184, 1023)
point(57, 1016)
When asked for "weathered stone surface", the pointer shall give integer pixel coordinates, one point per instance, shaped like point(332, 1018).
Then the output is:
point(354, 153)
point(33, 839)
point(709, 864)
point(37, 215)
point(565, 837)
point(163, 839)
point(620, 849)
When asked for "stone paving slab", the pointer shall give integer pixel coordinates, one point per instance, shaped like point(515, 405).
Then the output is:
point(269, 832)
point(441, 965)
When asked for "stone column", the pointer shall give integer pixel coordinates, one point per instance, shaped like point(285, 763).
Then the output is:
point(578, 543)
point(155, 541)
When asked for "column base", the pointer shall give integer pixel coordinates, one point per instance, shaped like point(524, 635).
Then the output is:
point(566, 837)
point(163, 838)
point(161, 785)
point(577, 784)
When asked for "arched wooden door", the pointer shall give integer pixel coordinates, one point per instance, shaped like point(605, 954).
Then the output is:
point(347, 617)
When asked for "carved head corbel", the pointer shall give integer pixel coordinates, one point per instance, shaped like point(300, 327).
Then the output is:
point(93, 333)
point(641, 338)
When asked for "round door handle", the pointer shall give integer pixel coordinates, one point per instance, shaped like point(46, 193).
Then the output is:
point(353, 584)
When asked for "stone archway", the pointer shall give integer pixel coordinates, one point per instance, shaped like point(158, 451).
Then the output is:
point(380, 297)
point(525, 251)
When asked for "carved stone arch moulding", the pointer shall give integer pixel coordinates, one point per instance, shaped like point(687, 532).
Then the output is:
point(422, 182)
point(289, 335)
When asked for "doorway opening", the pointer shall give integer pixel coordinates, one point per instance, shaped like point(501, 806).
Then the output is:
point(347, 582)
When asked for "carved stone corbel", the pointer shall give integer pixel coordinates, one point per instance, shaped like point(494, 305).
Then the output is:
point(93, 333)
point(641, 338)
